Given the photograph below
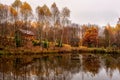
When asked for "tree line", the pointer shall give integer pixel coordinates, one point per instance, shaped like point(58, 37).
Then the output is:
point(54, 25)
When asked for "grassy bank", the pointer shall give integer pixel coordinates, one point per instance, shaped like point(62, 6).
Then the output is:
point(65, 49)
point(95, 50)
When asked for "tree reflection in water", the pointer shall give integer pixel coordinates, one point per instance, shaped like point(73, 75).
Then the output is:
point(91, 63)
point(57, 66)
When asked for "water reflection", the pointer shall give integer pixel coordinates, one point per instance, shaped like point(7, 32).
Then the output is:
point(60, 67)
point(91, 63)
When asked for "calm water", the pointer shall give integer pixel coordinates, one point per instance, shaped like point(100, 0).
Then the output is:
point(60, 67)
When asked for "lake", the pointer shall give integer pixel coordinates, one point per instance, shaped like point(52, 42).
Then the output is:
point(83, 66)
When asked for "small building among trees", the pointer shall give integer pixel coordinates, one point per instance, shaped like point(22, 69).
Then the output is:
point(23, 37)
point(26, 34)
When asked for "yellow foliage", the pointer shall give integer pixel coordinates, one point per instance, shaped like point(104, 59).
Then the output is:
point(13, 12)
point(26, 8)
point(17, 3)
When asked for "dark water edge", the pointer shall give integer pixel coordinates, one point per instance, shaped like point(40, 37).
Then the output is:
point(18, 51)
point(68, 66)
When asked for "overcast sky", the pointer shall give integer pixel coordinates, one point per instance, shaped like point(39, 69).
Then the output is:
point(100, 12)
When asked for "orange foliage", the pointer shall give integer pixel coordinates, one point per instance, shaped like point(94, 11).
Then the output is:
point(91, 36)
point(13, 12)
point(26, 9)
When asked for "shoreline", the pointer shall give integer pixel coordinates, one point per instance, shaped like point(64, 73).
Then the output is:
point(73, 50)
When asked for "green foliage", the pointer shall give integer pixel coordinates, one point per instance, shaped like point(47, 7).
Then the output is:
point(45, 44)
point(17, 39)
point(36, 43)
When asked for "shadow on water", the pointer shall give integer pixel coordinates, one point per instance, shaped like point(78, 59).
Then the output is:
point(60, 67)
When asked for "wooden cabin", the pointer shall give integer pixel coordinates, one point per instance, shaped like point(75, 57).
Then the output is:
point(27, 35)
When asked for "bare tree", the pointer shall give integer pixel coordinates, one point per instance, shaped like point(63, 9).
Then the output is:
point(65, 14)
point(55, 17)
point(3, 18)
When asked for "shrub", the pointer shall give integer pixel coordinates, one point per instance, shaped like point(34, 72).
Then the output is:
point(45, 44)
point(36, 43)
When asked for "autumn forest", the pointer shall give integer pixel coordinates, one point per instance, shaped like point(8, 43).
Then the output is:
point(50, 27)
point(45, 42)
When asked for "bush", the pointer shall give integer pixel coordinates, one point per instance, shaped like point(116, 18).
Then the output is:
point(36, 43)
point(45, 44)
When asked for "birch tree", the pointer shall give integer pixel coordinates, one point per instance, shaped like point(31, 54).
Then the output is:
point(65, 14)
point(55, 17)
